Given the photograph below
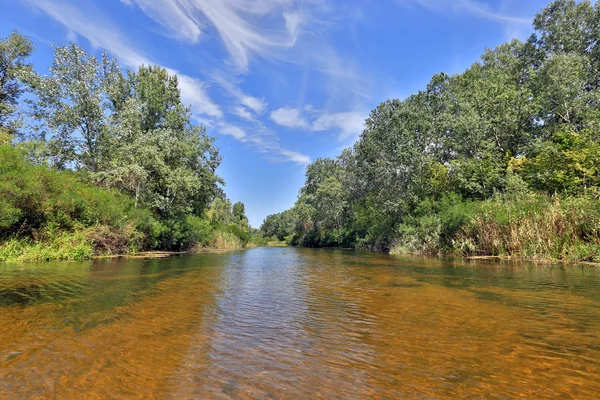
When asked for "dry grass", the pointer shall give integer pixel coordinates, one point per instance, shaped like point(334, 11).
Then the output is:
point(535, 229)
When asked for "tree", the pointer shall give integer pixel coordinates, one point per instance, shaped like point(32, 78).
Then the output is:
point(72, 108)
point(14, 51)
point(158, 155)
point(220, 211)
point(527, 115)
point(132, 133)
point(239, 215)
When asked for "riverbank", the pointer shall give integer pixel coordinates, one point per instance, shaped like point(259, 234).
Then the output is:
point(76, 248)
point(499, 160)
point(515, 225)
point(529, 227)
point(46, 214)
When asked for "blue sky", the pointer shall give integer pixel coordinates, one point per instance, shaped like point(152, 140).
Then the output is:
point(279, 83)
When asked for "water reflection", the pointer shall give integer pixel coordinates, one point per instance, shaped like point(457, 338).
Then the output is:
point(299, 323)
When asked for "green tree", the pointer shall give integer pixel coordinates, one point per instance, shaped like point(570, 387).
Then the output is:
point(72, 108)
point(14, 69)
point(157, 154)
point(527, 115)
point(239, 215)
point(220, 211)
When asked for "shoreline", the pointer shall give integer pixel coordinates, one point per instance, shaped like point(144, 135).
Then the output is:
point(167, 254)
point(212, 250)
point(539, 261)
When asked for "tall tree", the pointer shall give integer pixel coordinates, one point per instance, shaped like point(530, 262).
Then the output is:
point(157, 154)
point(72, 107)
point(239, 215)
point(14, 51)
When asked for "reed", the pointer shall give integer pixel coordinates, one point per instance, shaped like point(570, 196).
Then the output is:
point(531, 227)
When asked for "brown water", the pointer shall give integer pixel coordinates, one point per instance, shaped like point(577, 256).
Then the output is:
point(299, 323)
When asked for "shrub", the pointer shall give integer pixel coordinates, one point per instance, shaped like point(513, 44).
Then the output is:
point(45, 212)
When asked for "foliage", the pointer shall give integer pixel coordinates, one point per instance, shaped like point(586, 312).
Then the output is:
point(131, 133)
point(490, 161)
point(14, 51)
point(51, 208)
point(110, 163)
point(66, 246)
point(535, 227)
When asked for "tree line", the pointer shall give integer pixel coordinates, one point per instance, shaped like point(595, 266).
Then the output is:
point(123, 138)
point(502, 159)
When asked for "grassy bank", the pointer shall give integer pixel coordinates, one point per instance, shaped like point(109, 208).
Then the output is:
point(85, 244)
point(55, 215)
point(533, 227)
point(98, 162)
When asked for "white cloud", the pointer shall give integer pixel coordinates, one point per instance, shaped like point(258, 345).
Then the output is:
point(171, 13)
point(349, 123)
point(243, 113)
point(275, 152)
point(232, 130)
point(293, 22)
point(253, 103)
point(101, 34)
point(193, 92)
point(295, 157)
point(475, 8)
point(289, 117)
point(237, 22)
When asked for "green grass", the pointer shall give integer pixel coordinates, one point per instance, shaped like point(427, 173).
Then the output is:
point(55, 215)
point(533, 227)
point(66, 246)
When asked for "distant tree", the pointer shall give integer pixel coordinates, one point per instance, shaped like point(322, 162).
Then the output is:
point(239, 215)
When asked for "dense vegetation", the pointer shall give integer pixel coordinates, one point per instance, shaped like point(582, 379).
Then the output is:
point(503, 159)
point(94, 161)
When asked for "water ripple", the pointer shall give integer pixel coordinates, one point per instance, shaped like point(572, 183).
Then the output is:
point(300, 323)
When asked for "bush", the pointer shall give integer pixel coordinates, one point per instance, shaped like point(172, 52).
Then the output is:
point(514, 224)
point(47, 214)
point(534, 227)
point(63, 246)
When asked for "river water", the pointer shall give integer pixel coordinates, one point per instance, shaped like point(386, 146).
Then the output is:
point(272, 323)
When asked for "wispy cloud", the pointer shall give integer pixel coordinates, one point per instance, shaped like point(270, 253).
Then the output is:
point(171, 13)
point(270, 29)
point(253, 103)
point(263, 141)
point(276, 153)
point(243, 113)
point(99, 32)
point(350, 124)
point(231, 130)
point(295, 157)
point(237, 22)
point(102, 34)
point(193, 92)
point(289, 117)
point(472, 7)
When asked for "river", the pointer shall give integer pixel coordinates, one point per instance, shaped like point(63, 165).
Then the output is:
point(299, 323)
